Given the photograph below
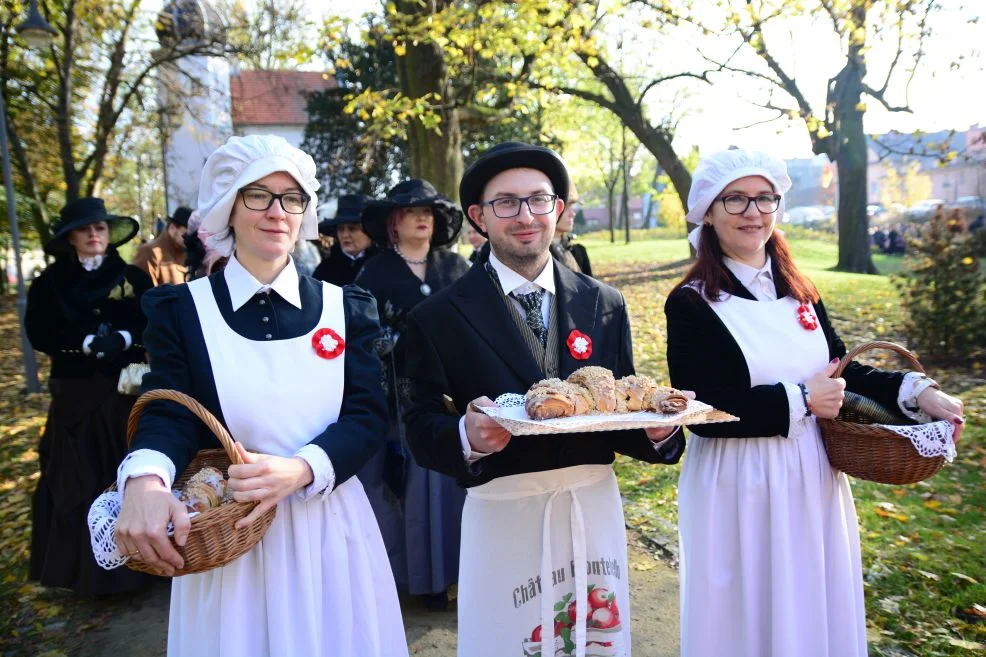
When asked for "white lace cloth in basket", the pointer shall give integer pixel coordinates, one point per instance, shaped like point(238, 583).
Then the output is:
point(930, 439)
point(102, 530)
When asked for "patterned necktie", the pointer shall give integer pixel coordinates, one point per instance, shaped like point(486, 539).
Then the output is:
point(531, 303)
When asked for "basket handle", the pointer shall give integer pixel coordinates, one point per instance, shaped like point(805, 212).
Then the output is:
point(198, 409)
point(877, 344)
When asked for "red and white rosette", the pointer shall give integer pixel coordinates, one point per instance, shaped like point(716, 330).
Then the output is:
point(579, 345)
point(807, 317)
point(327, 343)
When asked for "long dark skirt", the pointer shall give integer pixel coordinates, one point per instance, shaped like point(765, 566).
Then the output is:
point(420, 516)
point(83, 442)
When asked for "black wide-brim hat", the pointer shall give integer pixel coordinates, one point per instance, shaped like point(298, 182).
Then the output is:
point(349, 210)
point(511, 155)
point(85, 211)
point(414, 194)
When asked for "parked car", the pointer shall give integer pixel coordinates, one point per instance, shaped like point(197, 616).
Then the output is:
point(804, 215)
point(923, 210)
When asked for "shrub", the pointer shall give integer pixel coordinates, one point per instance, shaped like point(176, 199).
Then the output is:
point(943, 292)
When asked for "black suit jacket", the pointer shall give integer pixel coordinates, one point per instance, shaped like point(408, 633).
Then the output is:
point(463, 343)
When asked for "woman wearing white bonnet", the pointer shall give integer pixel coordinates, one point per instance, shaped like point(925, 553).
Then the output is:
point(287, 363)
point(769, 540)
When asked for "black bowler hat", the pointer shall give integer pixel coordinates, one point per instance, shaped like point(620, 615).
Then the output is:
point(349, 210)
point(85, 211)
point(511, 155)
point(414, 194)
point(180, 217)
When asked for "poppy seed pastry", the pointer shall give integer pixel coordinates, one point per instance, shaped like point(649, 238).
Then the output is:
point(601, 385)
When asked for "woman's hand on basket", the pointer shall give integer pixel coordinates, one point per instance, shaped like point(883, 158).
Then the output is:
point(141, 530)
point(826, 393)
point(266, 479)
point(940, 406)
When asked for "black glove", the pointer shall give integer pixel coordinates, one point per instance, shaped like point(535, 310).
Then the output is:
point(107, 346)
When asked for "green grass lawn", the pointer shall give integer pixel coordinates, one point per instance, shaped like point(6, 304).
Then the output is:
point(924, 546)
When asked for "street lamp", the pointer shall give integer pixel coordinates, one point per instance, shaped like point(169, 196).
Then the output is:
point(38, 33)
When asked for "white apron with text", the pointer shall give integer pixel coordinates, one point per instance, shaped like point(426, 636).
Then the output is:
point(544, 566)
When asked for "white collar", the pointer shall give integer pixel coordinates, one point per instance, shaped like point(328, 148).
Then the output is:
point(747, 274)
point(511, 280)
point(91, 263)
point(354, 258)
point(243, 286)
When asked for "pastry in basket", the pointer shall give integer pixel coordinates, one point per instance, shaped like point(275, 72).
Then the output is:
point(667, 400)
point(205, 490)
point(601, 385)
point(552, 398)
point(632, 393)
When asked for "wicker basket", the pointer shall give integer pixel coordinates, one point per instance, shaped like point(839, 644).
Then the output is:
point(869, 452)
point(212, 541)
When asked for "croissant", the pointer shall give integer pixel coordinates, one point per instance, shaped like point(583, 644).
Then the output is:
point(556, 398)
point(200, 497)
point(667, 400)
point(600, 384)
point(212, 478)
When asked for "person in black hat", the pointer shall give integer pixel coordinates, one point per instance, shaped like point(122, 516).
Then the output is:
point(84, 312)
point(418, 510)
point(163, 258)
point(351, 247)
point(542, 523)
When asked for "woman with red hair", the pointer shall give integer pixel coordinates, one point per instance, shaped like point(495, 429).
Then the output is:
point(769, 539)
point(419, 511)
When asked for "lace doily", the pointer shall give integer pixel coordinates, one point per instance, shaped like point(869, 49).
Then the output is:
point(102, 530)
point(512, 415)
point(931, 439)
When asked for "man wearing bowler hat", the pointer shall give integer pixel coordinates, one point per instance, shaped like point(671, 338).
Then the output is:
point(351, 247)
point(163, 258)
point(543, 563)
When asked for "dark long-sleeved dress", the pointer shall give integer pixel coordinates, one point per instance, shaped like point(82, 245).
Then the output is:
point(419, 511)
point(85, 435)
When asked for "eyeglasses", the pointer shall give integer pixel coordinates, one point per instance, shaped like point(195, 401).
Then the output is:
point(738, 203)
point(260, 199)
point(509, 206)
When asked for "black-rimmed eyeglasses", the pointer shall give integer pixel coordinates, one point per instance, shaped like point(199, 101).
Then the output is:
point(261, 200)
point(738, 203)
point(509, 206)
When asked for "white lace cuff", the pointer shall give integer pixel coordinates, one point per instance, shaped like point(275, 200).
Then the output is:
point(795, 403)
point(323, 474)
point(467, 452)
point(907, 398)
point(145, 462)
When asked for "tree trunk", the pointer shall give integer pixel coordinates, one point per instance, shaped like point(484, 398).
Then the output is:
point(849, 143)
point(435, 155)
point(610, 201)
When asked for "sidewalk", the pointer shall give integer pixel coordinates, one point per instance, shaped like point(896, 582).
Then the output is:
point(653, 596)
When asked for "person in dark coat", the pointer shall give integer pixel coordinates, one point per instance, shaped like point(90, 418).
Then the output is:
point(563, 248)
point(84, 312)
point(351, 247)
point(418, 510)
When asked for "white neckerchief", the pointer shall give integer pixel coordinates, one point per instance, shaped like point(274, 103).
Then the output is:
point(243, 286)
point(512, 282)
point(354, 258)
point(759, 281)
point(92, 263)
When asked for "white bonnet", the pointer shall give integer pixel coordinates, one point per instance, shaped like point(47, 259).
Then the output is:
point(716, 171)
point(241, 161)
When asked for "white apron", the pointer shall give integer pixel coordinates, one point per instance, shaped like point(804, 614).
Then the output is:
point(529, 543)
point(318, 584)
point(770, 562)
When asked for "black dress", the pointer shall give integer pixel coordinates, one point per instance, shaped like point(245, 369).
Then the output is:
point(85, 436)
point(419, 511)
point(339, 269)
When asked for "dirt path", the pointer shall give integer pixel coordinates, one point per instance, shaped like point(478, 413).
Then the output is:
point(138, 627)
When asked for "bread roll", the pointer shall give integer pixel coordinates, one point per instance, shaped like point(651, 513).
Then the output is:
point(601, 385)
point(200, 497)
point(634, 390)
point(667, 400)
point(553, 398)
